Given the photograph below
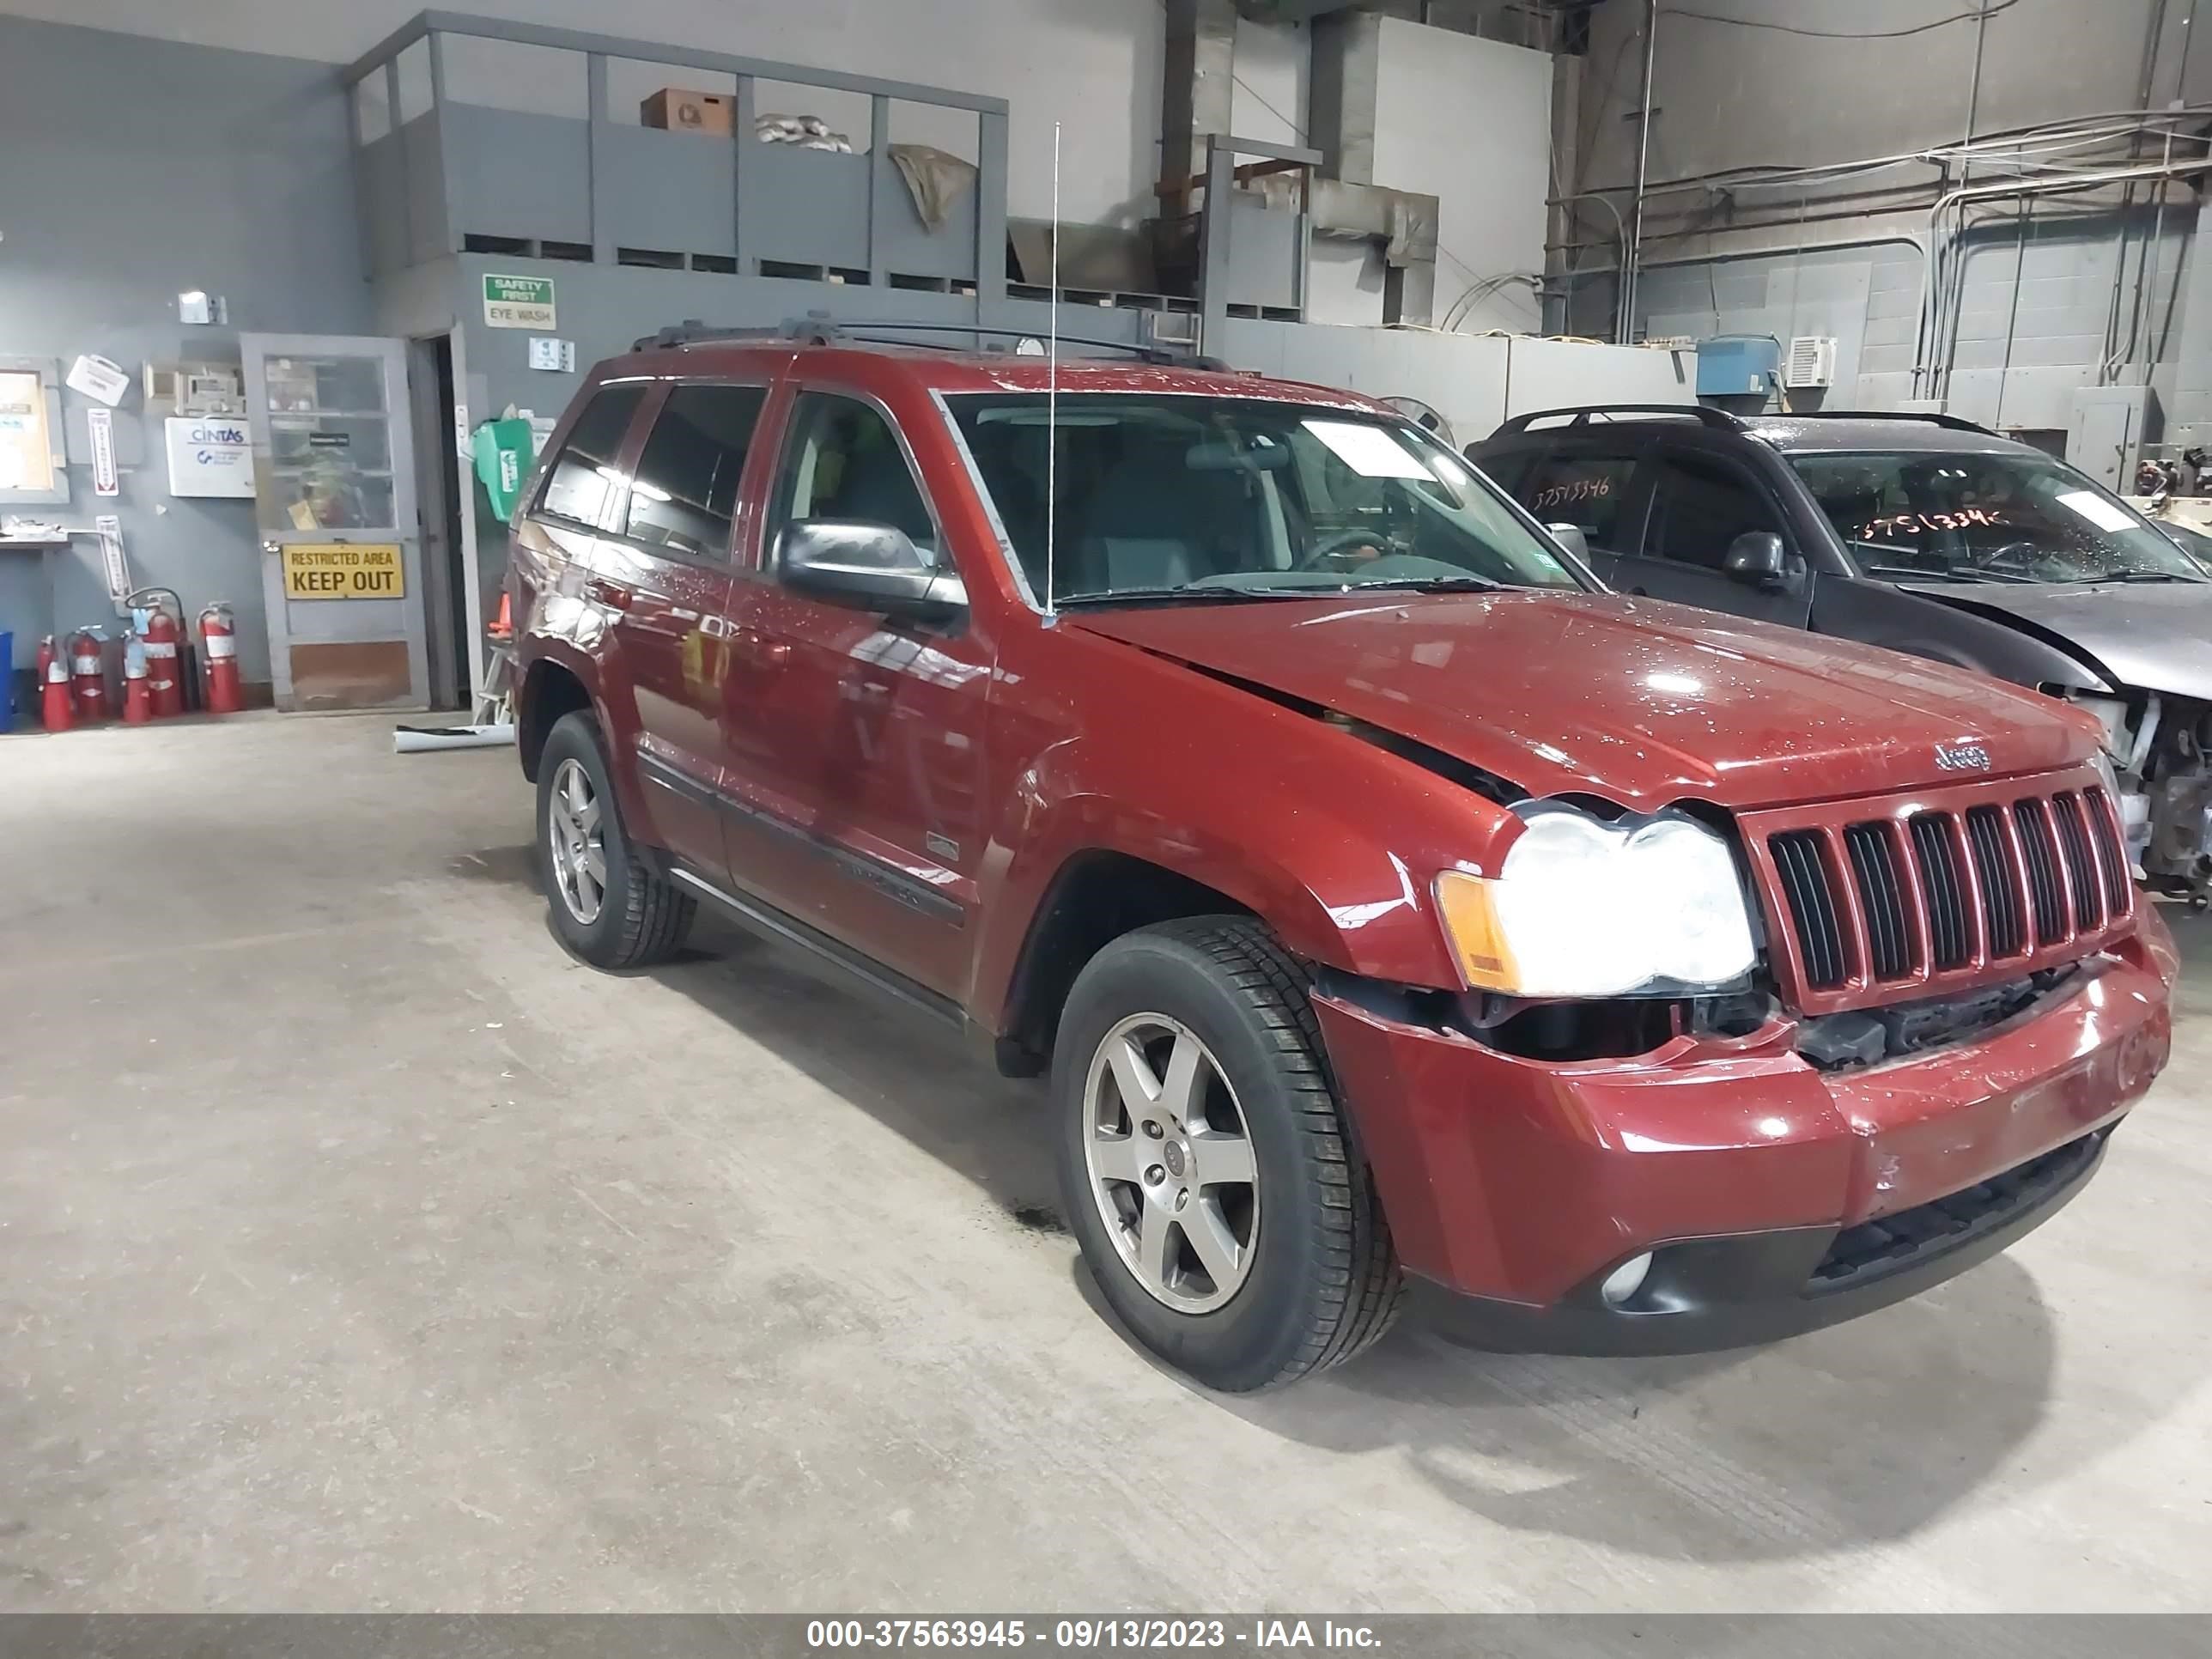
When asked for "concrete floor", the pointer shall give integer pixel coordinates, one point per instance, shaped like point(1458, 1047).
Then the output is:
point(359, 1251)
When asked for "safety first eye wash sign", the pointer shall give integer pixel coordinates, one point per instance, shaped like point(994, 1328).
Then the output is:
point(343, 570)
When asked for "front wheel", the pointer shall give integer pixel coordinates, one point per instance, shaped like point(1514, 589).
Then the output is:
point(1205, 1162)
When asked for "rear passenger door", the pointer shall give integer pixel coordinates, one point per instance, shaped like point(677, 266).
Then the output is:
point(1700, 501)
point(662, 573)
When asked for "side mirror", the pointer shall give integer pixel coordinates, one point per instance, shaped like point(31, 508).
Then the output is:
point(1571, 537)
point(873, 567)
point(1757, 559)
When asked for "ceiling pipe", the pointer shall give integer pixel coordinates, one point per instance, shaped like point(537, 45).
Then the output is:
point(1625, 317)
point(1931, 322)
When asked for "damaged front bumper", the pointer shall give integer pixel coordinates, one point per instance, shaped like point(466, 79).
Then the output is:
point(1770, 1195)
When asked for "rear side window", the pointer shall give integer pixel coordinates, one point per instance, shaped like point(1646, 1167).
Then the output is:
point(684, 492)
point(843, 461)
point(1702, 505)
point(583, 474)
point(1585, 490)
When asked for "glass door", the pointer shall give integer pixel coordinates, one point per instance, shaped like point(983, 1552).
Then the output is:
point(334, 499)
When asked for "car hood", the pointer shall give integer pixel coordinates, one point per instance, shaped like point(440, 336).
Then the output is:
point(1636, 701)
point(2155, 636)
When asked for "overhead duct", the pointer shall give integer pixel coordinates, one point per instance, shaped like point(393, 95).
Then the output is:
point(1197, 88)
point(1344, 103)
point(1337, 193)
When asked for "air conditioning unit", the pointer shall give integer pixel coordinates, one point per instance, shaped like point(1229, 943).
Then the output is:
point(1812, 361)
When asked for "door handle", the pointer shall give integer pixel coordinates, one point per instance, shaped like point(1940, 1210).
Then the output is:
point(600, 591)
point(759, 649)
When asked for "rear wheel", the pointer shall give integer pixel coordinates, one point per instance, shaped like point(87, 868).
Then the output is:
point(608, 905)
point(1204, 1163)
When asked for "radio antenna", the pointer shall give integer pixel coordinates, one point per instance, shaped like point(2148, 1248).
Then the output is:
point(1052, 392)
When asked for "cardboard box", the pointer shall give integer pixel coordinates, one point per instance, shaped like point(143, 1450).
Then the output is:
point(680, 109)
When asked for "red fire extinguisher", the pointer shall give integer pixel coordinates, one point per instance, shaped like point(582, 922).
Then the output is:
point(53, 687)
point(137, 699)
point(88, 674)
point(219, 648)
point(166, 695)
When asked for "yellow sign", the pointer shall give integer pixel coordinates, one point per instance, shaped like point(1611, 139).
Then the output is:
point(344, 570)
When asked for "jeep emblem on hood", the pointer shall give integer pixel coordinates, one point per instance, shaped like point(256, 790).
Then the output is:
point(1962, 758)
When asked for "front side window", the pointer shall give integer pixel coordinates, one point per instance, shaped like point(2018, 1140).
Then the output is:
point(1702, 505)
point(1932, 516)
point(1159, 495)
point(583, 474)
point(843, 462)
point(685, 490)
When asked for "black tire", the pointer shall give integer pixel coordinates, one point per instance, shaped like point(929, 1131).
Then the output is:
point(642, 916)
point(1323, 1283)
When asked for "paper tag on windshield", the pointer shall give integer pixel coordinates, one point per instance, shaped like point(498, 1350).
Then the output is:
point(1368, 450)
point(2097, 510)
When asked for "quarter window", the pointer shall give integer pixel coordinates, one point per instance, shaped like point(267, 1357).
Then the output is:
point(843, 461)
point(685, 489)
point(583, 475)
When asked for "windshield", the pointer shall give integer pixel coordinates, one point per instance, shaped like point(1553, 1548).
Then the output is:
point(1168, 496)
point(1965, 517)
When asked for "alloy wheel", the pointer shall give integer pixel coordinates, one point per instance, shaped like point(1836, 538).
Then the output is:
point(574, 835)
point(1171, 1163)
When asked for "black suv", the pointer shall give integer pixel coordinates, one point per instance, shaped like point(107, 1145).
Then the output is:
point(1922, 532)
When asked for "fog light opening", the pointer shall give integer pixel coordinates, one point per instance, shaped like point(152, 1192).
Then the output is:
point(1624, 1281)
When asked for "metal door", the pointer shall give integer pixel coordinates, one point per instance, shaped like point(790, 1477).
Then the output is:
point(334, 501)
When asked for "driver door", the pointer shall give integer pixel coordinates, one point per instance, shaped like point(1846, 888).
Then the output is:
point(1700, 503)
point(853, 742)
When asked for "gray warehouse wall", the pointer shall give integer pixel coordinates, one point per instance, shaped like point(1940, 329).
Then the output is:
point(2034, 313)
point(134, 169)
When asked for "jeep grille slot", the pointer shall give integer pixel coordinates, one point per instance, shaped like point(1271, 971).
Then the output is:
point(1873, 866)
point(1942, 888)
point(2104, 831)
point(2042, 870)
point(1993, 870)
point(1806, 883)
point(1938, 891)
point(2082, 877)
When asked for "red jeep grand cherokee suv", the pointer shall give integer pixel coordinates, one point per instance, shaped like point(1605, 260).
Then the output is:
point(1393, 907)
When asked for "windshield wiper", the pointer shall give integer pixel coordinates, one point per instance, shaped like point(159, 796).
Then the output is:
point(2144, 576)
point(1899, 573)
point(1165, 595)
point(1429, 584)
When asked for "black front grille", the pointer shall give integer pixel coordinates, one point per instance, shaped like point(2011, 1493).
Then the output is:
point(1881, 896)
point(1810, 893)
point(1901, 901)
point(1874, 1249)
point(1942, 890)
point(2001, 916)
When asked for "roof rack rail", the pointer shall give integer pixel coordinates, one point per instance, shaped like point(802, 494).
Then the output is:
point(818, 328)
point(1955, 422)
point(1580, 415)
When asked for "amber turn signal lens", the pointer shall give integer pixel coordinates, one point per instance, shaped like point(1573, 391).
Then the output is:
point(1470, 920)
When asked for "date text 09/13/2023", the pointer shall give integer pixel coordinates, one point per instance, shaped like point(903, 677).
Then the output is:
point(1087, 1634)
